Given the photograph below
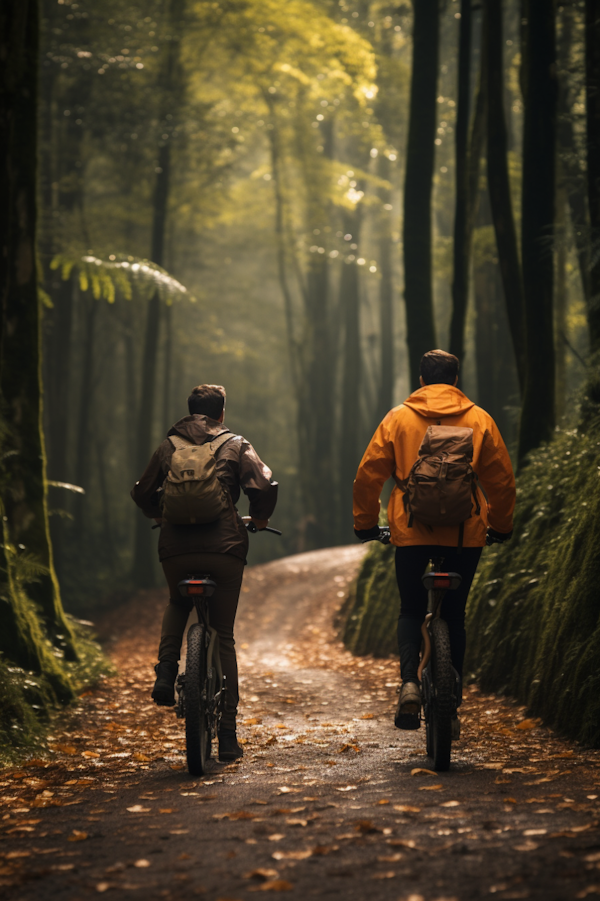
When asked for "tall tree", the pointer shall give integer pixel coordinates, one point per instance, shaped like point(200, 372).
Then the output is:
point(537, 221)
point(418, 184)
point(499, 183)
point(170, 87)
point(462, 226)
point(25, 513)
point(592, 84)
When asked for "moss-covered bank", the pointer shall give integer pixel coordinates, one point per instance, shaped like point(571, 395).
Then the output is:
point(534, 613)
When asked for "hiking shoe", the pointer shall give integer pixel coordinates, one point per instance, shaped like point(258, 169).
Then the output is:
point(163, 692)
point(409, 706)
point(455, 726)
point(229, 748)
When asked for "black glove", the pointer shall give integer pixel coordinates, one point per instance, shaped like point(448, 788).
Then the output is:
point(494, 537)
point(368, 534)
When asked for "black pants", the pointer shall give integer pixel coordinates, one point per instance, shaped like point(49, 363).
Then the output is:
point(411, 563)
point(227, 571)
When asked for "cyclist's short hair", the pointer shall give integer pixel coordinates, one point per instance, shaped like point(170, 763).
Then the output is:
point(438, 367)
point(207, 400)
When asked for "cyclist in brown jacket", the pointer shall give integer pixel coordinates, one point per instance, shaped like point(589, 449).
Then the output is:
point(218, 548)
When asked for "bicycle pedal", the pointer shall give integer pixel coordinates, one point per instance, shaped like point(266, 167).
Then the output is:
point(408, 721)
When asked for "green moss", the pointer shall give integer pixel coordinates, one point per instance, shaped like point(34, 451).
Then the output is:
point(533, 620)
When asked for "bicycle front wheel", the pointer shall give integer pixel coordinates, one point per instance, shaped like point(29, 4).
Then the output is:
point(197, 732)
point(439, 737)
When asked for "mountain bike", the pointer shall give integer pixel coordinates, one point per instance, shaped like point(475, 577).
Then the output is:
point(441, 688)
point(202, 688)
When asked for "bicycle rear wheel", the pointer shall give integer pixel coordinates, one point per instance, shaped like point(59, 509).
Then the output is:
point(439, 732)
point(197, 732)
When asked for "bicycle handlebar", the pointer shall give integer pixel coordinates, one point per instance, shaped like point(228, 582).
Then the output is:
point(247, 520)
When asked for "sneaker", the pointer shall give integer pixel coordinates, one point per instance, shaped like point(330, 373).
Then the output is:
point(229, 748)
point(409, 706)
point(163, 692)
point(455, 726)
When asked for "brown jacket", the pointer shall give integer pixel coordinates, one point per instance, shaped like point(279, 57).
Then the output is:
point(239, 468)
point(394, 448)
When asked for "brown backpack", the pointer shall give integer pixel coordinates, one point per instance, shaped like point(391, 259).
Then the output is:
point(442, 484)
point(192, 493)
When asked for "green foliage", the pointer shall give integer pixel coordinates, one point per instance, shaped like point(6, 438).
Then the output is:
point(104, 277)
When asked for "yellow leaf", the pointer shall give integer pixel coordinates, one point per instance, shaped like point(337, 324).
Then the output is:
point(142, 757)
point(406, 808)
point(77, 836)
point(67, 749)
point(137, 808)
point(419, 771)
point(367, 716)
point(89, 754)
point(529, 724)
point(431, 788)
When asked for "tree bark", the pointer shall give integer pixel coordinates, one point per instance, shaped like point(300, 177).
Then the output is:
point(385, 397)
point(24, 479)
point(499, 183)
point(592, 89)
point(170, 87)
point(462, 231)
point(537, 225)
point(420, 156)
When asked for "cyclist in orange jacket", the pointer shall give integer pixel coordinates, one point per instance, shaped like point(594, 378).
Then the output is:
point(391, 453)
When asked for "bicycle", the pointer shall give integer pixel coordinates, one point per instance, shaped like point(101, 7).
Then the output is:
point(202, 688)
point(440, 683)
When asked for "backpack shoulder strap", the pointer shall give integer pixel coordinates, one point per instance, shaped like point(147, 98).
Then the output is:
point(180, 443)
point(219, 440)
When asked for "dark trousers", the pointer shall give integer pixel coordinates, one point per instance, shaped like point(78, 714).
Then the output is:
point(227, 571)
point(411, 563)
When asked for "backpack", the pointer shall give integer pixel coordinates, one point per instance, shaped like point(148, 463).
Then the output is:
point(192, 493)
point(442, 484)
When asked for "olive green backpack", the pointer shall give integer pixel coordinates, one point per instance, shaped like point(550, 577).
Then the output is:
point(192, 493)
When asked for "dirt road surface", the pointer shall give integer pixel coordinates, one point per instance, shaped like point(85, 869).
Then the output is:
point(329, 800)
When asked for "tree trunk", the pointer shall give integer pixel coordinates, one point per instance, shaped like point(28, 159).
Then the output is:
point(462, 231)
point(560, 311)
point(385, 397)
point(420, 156)
point(592, 87)
point(167, 366)
point(572, 177)
point(350, 430)
point(499, 183)
point(170, 87)
point(537, 227)
point(24, 480)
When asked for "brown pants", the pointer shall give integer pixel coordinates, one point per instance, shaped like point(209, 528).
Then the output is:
point(227, 571)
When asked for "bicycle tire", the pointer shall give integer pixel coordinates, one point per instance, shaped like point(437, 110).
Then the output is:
point(443, 701)
point(197, 733)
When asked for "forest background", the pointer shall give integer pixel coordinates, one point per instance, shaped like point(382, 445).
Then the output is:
point(296, 200)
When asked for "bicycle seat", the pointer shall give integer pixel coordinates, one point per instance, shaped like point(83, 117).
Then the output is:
point(195, 585)
point(436, 581)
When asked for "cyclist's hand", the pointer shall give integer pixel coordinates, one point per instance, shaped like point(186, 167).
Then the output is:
point(494, 537)
point(158, 521)
point(260, 523)
point(374, 534)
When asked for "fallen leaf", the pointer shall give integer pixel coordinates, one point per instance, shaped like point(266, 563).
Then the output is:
point(102, 886)
point(367, 716)
point(346, 788)
point(165, 810)
point(274, 885)
point(366, 827)
point(293, 822)
point(323, 850)
point(276, 837)
point(253, 721)
point(65, 749)
point(419, 771)
point(142, 863)
point(90, 754)
point(529, 724)
point(77, 836)
point(431, 788)
point(450, 804)
point(142, 757)
point(291, 855)
point(389, 874)
point(535, 832)
point(527, 846)
point(511, 801)
point(137, 808)
point(406, 808)
point(383, 801)
point(261, 873)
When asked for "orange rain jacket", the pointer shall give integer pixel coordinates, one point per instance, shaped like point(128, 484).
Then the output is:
point(395, 447)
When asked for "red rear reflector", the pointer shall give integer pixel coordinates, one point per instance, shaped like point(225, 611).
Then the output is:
point(195, 589)
point(441, 583)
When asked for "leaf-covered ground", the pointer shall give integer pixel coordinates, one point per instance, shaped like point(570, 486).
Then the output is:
point(330, 798)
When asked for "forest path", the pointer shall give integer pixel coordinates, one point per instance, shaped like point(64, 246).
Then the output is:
point(326, 800)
